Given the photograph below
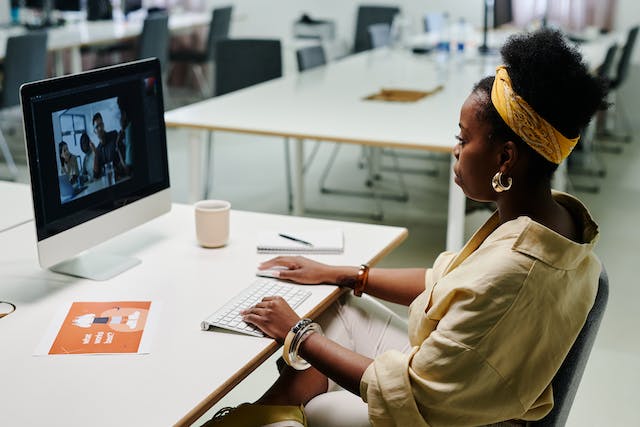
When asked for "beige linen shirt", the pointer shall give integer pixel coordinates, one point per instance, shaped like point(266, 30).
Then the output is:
point(491, 329)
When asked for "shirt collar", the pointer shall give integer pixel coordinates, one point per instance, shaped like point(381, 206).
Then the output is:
point(535, 239)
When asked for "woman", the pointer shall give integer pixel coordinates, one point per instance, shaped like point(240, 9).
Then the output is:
point(68, 162)
point(89, 161)
point(488, 326)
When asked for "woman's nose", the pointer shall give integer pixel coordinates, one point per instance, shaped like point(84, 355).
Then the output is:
point(456, 151)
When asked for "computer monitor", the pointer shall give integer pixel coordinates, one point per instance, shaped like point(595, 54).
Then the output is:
point(97, 153)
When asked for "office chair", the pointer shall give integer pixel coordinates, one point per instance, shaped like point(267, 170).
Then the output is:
point(310, 57)
point(567, 379)
point(615, 84)
point(218, 30)
point(154, 39)
point(584, 159)
point(367, 16)
point(241, 63)
point(25, 61)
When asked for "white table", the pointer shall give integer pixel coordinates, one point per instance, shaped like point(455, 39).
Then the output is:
point(75, 35)
point(18, 206)
point(188, 370)
point(327, 104)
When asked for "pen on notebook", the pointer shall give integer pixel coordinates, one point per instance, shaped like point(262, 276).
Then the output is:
point(295, 239)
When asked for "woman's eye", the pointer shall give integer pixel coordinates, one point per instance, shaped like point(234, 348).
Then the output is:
point(460, 140)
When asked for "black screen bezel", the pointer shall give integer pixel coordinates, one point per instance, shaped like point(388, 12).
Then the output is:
point(87, 87)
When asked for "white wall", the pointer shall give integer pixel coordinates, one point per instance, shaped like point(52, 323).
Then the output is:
point(275, 18)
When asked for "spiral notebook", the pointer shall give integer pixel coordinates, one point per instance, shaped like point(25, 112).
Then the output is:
point(330, 241)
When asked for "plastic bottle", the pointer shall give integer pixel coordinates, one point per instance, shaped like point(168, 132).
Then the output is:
point(460, 34)
point(444, 43)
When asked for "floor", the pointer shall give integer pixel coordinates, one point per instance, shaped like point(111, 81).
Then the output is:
point(249, 172)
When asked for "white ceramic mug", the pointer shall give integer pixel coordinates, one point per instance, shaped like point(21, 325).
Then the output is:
point(212, 222)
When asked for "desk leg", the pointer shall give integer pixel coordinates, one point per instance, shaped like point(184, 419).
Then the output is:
point(76, 60)
point(298, 177)
point(196, 141)
point(58, 62)
point(455, 216)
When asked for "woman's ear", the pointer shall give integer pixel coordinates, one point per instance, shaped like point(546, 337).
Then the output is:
point(508, 157)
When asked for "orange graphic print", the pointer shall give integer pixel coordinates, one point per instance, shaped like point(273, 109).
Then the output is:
point(102, 327)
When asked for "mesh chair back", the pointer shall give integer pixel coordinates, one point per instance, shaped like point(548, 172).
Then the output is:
point(245, 62)
point(310, 57)
point(380, 35)
point(367, 16)
point(154, 40)
point(25, 61)
point(565, 383)
point(625, 58)
point(219, 29)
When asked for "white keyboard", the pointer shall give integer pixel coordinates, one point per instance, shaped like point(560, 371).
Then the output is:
point(228, 316)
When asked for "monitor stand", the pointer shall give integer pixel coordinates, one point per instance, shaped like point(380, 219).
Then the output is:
point(95, 266)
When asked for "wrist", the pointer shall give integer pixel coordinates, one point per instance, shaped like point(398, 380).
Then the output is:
point(346, 277)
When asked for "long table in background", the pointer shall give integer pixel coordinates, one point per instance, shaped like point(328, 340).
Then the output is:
point(187, 370)
point(74, 35)
point(328, 104)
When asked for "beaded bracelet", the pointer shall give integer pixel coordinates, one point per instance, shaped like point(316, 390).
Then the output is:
point(294, 339)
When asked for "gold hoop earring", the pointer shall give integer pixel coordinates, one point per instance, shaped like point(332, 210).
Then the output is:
point(498, 186)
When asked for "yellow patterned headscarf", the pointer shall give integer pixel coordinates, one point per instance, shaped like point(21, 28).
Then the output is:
point(526, 123)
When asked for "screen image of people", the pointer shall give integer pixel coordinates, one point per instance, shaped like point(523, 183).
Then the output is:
point(94, 147)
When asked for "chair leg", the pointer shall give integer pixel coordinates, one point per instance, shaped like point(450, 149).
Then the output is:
point(621, 120)
point(403, 196)
point(287, 169)
point(208, 166)
point(204, 86)
point(11, 164)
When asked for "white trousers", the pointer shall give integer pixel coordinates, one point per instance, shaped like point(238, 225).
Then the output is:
point(364, 326)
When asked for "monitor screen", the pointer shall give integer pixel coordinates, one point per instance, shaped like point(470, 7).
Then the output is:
point(96, 144)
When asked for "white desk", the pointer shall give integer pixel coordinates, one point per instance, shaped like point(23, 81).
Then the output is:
point(74, 35)
point(188, 370)
point(17, 204)
point(327, 104)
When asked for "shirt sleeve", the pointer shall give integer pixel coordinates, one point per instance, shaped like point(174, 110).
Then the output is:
point(445, 380)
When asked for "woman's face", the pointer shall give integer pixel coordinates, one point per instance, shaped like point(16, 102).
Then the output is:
point(65, 152)
point(478, 159)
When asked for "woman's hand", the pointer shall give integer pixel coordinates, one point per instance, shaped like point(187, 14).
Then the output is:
point(273, 316)
point(300, 270)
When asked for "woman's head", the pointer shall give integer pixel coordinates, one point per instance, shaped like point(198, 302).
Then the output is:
point(63, 152)
point(551, 78)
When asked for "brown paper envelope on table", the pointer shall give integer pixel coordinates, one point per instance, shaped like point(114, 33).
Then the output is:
point(402, 95)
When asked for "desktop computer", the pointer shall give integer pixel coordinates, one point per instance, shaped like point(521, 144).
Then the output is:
point(97, 155)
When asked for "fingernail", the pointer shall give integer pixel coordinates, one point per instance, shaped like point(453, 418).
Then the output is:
point(275, 274)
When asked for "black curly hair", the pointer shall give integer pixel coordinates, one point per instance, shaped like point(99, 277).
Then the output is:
point(551, 76)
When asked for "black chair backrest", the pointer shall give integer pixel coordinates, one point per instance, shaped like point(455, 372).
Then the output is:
point(219, 29)
point(98, 10)
point(154, 39)
point(310, 57)
point(604, 69)
point(565, 383)
point(625, 58)
point(502, 12)
point(367, 16)
point(25, 61)
point(245, 62)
